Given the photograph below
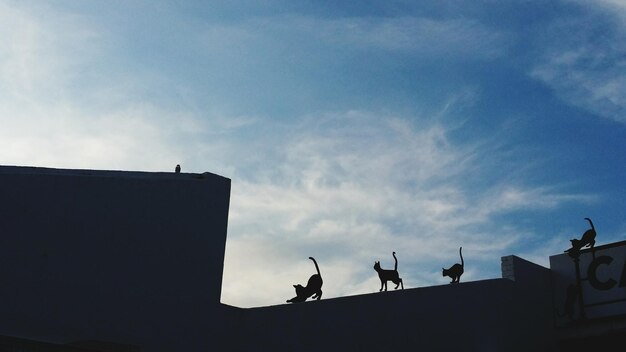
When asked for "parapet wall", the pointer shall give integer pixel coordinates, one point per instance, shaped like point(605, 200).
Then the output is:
point(129, 257)
point(489, 315)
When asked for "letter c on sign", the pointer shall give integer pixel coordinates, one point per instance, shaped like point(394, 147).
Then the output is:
point(593, 279)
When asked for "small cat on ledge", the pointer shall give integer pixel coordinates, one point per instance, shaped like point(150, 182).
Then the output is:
point(587, 240)
point(456, 270)
point(313, 287)
point(388, 275)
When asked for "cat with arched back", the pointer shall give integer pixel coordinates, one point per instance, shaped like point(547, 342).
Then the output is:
point(456, 270)
point(312, 289)
point(588, 239)
point(388, 275)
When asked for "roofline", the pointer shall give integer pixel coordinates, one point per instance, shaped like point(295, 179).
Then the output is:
point(33, 170)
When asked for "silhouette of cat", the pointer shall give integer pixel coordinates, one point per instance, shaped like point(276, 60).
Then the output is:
point(388, 275)
point(570, 302)
point(313, 287)
point(588, 239)
point(456, 270)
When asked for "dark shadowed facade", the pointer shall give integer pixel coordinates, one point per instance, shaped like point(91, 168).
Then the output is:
point(133, 261)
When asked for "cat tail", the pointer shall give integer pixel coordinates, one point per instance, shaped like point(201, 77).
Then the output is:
point(461, 254)
point(316, 267)
point(590, 223)
point(394, 257)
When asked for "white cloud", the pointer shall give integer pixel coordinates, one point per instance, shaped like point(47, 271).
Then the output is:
point(57, 109)
point(42, 52)
point(584, 62)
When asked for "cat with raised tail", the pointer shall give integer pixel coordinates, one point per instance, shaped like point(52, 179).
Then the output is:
point(313, 287)
point(388, 275)
point(456, 270)
point(588, 239)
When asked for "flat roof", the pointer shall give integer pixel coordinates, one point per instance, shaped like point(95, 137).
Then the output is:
point(32, 170)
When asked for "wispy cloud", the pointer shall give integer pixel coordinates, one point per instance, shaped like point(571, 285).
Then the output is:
point(351, 188)
point(42, 52)
point(584, 61)
point(458, 37)
point(57, 109)
point(452, 38)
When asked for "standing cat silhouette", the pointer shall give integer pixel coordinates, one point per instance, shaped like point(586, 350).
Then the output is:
point(313, 287)
point(456, 270)
point(388, 275)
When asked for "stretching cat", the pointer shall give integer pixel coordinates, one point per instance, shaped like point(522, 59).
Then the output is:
point(313, 287)
point(588, 239)
point(388, 275)
point(455, 271)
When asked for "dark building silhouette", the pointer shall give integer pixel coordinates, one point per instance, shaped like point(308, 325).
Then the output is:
point(133, 261)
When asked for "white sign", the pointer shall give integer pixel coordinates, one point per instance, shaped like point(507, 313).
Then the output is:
point(589, 284)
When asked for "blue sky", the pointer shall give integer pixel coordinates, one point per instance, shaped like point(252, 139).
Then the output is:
point(349, 130)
